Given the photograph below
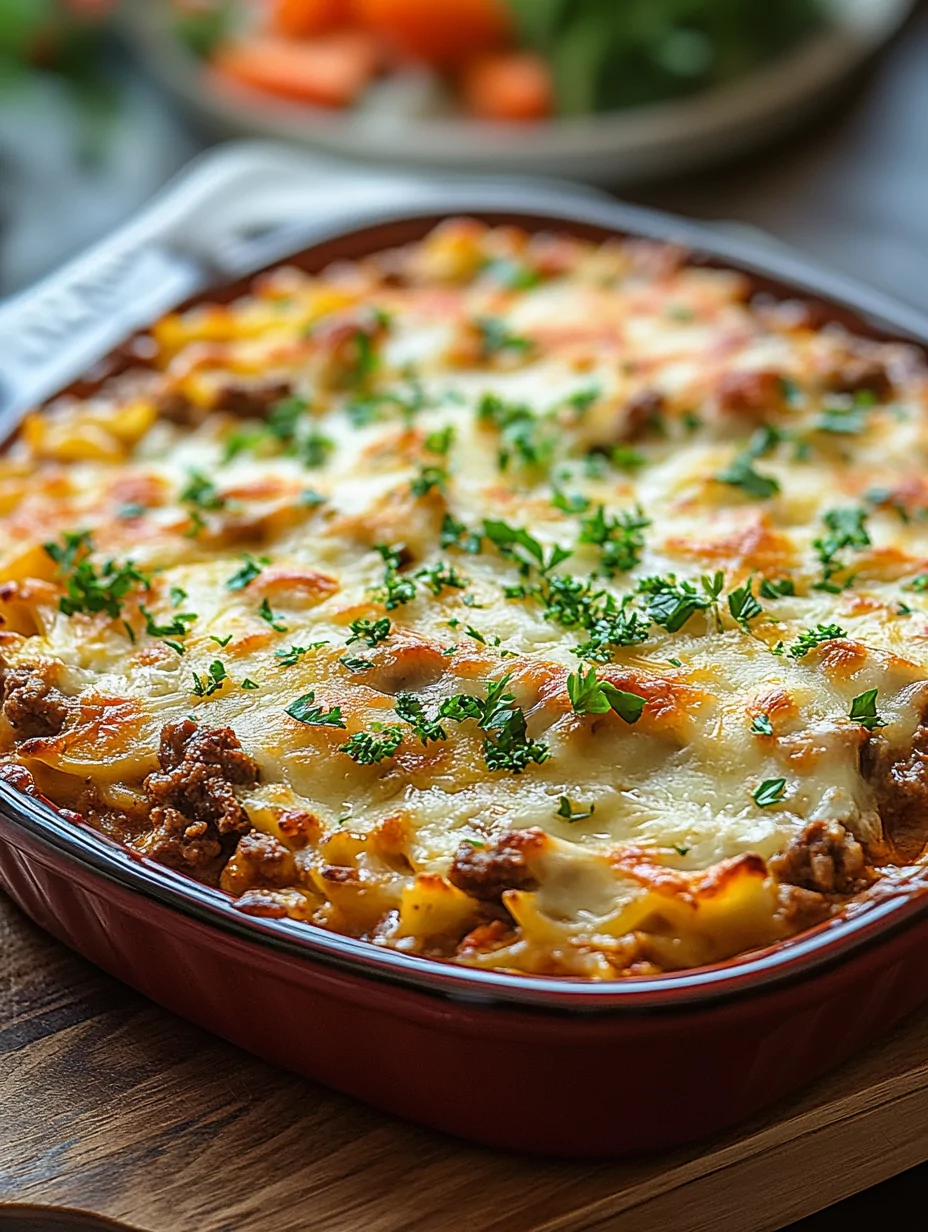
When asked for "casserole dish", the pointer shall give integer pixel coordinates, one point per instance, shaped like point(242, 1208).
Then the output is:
point(524, 1062)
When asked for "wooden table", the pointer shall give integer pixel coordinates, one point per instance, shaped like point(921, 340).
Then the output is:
point(112, 1105)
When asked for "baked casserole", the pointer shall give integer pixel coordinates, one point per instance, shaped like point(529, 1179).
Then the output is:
point(537, 604)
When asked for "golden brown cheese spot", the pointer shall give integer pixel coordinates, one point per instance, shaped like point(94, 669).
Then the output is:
point(297, 588)
point(751, 546)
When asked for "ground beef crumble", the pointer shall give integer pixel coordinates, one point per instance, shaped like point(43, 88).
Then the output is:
point(31, 703)
point(196, 816)
point(826, 858)
point(900, 785)
point(485, 872)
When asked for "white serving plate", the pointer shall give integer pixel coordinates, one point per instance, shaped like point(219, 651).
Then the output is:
point(616, 148)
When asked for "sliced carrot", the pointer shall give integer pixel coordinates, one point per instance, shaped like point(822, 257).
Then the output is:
point(305, 18)
point(513, 85)
point(330, 70)
point(442, 32)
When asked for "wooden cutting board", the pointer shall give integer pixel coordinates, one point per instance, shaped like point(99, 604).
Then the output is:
point(111, 1105)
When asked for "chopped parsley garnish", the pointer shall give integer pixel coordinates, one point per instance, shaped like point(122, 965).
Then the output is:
point(573, 503)
point(429, 478)
point(268, 615)
point(610, 627)
point(221, 642)
point(175, 627)
point(178, 595)
point(247, 573)
point(510, 273)
point(455, 534)
point(89, 589)
point(201, 492)
point(777, 589)
point(412, 711)
point(918, 584)
point(588, 695)
point(771, 791)
point(515, 543)
point(619, 538)
point(863, 710)
point(528, 438)
point(215, 678)
point(284, 417)
point(744, 606)
point(289, 658)
point(497, 339)
point(506, 745)
point(315, 450)
point(583, 399)
point(761, 725)
point(624, 458)
point(441, 576)
point(395, 590)
point(304, 710)
point(356, 664)
point(373, 632)
point(744, 475)
point(129, 511)
point(369, 748)
point(842, 420)
point(567, 812)
point(815, 637)
point(847, 528)
point(672, 603)
point(440, 442)
point(178, 647)
point(247, 684)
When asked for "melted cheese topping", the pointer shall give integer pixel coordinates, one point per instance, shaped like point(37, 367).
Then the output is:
point(680, 534)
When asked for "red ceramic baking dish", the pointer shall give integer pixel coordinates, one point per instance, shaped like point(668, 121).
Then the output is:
point(534, 1064)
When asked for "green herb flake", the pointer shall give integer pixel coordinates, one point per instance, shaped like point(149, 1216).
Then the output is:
point(863, 710)
point(588, 695)
point(215, 678)
point(412, 711)
point(289, 658)
point(778, 589)
point(373, 632)
point(177, 626)
point(201, 492)
point(91, 589)
point(396, 590)
point(304, 710)
point(270, 617)
point(497, 339)
point(251, 569)
point(567, 812)
point(430, 478)
point(815, 637)
point(847, 528)
point(761, 725)
point(356, 664)
point(370, 748)
point(770, 791)
point(619, 538)
point(743, 606)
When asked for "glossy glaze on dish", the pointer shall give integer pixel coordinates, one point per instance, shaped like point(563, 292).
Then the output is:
point(546, 606)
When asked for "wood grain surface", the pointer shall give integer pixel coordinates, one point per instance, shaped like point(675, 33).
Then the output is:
point(111, 1105)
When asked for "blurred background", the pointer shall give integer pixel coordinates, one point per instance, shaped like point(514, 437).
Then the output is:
point(805, 119)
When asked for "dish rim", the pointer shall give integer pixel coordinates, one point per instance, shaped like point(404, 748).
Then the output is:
point(897, 906)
